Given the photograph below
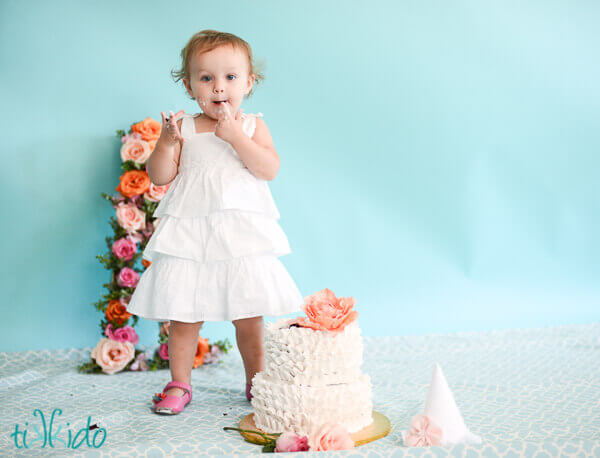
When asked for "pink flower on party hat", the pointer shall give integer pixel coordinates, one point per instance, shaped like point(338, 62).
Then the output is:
point(291, 442)
point(423, 432)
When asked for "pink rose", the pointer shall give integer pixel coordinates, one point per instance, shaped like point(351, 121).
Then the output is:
point(163, 351)
point(156, 193)
point(123, 334)
point(124, 248)
point(130, 217)
point(291, 442)
point(112, 356)
point(128, 278)
point(135, 149)
point(331, 437)
point(140, 363)
point(423, 432)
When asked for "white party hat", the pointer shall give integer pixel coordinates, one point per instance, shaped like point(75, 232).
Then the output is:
point(441, 408)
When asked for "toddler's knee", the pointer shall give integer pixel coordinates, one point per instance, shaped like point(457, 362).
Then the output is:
point(248, 322)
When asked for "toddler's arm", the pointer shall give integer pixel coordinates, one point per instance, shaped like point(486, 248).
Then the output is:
point(164, 161)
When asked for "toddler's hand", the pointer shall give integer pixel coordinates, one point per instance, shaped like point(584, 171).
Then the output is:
point(229, 125)
point(169, 126)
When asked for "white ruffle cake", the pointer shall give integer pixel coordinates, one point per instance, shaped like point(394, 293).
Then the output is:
point(311, 378)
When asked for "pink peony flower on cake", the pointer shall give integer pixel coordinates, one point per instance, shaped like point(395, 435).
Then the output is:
point(423, 432)
point(331, 437)
point(326, 312)
point(291, 442)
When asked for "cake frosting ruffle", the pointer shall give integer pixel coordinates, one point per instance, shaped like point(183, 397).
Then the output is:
point(311, 377)
point(303, 356)
point(283, 406)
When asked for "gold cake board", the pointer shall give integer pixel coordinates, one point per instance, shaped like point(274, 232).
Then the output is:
point(376, 430)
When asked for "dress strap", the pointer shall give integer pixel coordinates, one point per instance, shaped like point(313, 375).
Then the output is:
point(250, 123)
point(187, 126)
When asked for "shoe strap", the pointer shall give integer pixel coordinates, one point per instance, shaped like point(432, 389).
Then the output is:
point(176, 384)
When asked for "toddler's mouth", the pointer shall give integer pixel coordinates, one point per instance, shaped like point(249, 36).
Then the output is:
point(219, 102)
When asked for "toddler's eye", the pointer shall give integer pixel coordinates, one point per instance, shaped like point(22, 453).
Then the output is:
point(231, 75)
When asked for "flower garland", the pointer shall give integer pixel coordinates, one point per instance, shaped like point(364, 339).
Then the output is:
point(133, 225)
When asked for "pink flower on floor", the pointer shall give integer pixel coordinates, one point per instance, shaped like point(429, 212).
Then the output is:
point(331, 437)
point(163, 351)
point(423, 432)
point(128, 277)
point(124, 248)
point(291, 442)
point(124, 334)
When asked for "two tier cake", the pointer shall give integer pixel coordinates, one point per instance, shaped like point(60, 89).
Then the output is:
point(313, 372)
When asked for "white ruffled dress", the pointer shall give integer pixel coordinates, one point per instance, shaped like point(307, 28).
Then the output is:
point(215, 252)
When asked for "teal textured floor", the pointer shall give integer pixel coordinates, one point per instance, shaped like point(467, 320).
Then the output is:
point(526, 392)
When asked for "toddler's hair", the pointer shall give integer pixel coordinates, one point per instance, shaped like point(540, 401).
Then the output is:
point(207, 40)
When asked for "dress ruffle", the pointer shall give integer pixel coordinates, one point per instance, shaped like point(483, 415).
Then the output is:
point(216, 291)
point(218, 236)
point(205, 185)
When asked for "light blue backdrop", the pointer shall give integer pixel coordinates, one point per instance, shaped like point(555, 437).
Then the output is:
point(439, 159)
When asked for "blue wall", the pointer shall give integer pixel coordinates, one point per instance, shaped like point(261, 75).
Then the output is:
point(439, 159)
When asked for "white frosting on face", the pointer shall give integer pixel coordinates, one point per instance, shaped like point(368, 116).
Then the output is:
point(311, 378)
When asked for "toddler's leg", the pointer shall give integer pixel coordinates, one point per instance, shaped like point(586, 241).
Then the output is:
point(249, 336)
point(183, 342)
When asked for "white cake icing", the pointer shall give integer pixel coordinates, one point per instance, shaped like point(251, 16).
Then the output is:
point(311, 378)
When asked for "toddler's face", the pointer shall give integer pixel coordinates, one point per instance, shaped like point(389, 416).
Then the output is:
point(221, 74)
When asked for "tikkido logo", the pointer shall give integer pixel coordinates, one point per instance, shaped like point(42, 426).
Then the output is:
point(51, 434)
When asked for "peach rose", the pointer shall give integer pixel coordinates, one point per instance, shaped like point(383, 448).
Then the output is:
point(156, 193)
point(133, 183)
point(331, 437)
point(326, 312)
point(117, 312)
point(201, 350)
point(130, 217)
point(136, 150)
point(111, 355)
point(148, 128)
